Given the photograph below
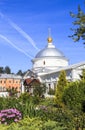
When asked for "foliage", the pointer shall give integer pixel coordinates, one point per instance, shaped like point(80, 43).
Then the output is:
point(64, 118)
point(62, 83)
point(27, 108)
point(51, 91)
point(79, 121)
point(20, 73)
point(12, 92)
point(25, 104)
point(50, 125)
point(79, 32)
point(24, 97)
point(39, 90)
point(34, 124)
point(74, 95)
point(82, 76)
point(3, 103)
point(83, 106)
point(47, 102)
point(44, 115)
point(1, 70)
point(7, 70)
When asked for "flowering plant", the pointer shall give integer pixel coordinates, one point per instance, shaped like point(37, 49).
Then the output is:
point(8, 116)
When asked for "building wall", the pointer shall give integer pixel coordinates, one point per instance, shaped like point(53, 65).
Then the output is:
point(72, 74)
point(51, 63)
point(10, 83)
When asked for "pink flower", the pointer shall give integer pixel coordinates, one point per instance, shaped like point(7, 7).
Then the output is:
point(8, 115)
point(3, 119)
point(15, 120)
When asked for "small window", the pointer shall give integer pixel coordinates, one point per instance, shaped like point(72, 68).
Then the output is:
point(1, 81)
point(9, 81)
point(4, 81)
point(43, 62)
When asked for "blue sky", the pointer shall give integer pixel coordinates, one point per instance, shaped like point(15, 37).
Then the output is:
point(24, 30)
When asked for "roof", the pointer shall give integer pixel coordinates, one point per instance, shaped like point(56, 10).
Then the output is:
point(50, 51)
point(10, 76)
point(29, 81)
point(65, 68)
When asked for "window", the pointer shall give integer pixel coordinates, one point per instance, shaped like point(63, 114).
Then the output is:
point(43, 62)
point(1, 81)
point(4, 81)
point(16, 81)
point(9, 81)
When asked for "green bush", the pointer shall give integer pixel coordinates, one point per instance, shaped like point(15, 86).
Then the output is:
point(51, 91)
point(33, 124)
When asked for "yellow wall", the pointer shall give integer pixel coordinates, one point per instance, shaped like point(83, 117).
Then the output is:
point(9, 83)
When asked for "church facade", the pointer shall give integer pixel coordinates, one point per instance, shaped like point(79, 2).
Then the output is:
point(49, 62)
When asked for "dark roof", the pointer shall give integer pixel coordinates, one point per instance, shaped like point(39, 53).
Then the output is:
point(29, 81)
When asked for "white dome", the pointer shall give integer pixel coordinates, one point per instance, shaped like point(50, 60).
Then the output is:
point(50, 51)
point(49, 58)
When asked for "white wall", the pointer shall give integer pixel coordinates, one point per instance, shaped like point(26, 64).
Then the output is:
point(51, 63)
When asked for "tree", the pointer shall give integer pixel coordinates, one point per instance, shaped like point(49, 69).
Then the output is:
point(74, 95)
point(62, 82)
point(39, 90)
point(74, 99)
point(1, 70)
point(83, 74)
point(20, 73)
point(12, 92)
point(7, 70)
point(79, 32)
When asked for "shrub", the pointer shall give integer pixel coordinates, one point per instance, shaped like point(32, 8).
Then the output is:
point(51, 91)
point(35, 124)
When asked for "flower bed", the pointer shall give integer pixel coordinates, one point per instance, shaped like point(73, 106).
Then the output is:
point(8, 116)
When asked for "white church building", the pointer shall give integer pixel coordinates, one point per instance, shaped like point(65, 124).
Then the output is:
point(48, 64)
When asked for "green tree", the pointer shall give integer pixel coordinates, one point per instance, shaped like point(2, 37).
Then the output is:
point(83, 75)
point(74, 99)
point(7, 70)
point(12, 92)
point(20, 73)
point(79, 31)
point(62, 83)
point(1, 70)
point(74, 95)
point(39, 90)
point(71, 95)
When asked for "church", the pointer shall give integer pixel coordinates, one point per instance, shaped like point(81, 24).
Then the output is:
point(47, 65)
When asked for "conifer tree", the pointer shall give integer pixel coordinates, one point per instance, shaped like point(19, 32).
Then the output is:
point(7, 70)
point(62, 82)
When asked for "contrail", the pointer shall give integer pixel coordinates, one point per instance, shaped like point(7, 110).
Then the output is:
point(16, 27)
point(7, 40)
